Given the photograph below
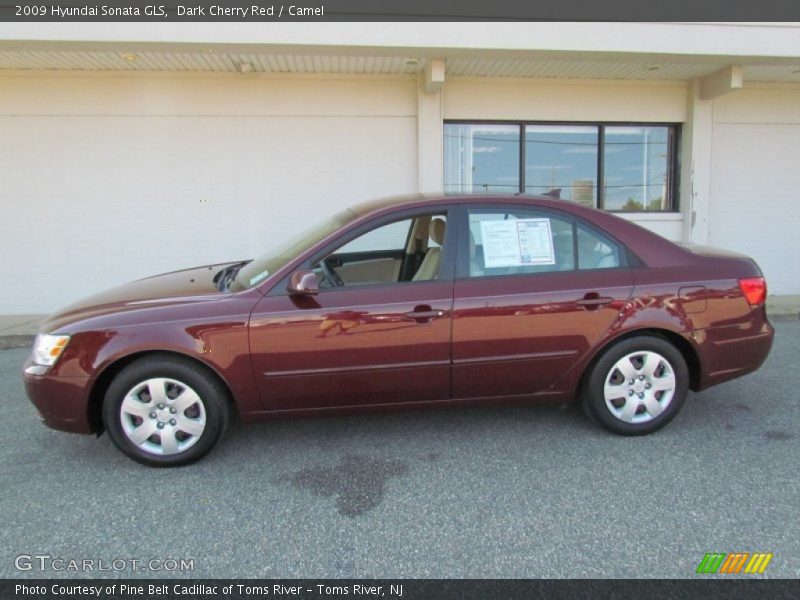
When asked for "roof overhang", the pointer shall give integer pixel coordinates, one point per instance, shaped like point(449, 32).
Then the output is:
point(629, 51)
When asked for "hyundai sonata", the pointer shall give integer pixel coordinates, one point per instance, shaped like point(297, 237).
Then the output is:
point(407, 302)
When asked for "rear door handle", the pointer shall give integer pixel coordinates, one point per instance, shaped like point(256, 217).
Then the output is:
point(594, 301)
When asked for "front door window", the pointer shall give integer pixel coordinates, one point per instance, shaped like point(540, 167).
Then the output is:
point(406, 250)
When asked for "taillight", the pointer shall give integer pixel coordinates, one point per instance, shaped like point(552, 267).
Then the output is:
point(754, 289)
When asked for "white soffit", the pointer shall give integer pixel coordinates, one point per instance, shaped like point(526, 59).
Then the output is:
point(230, 62)
point(206, 61)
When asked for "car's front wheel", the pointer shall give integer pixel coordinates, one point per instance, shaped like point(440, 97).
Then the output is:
point(637, 386)
point(165, 411)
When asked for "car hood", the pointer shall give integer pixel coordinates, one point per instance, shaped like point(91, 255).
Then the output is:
point(185, 286)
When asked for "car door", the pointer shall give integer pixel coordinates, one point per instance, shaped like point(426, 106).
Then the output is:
point(534, 291)
point(382, 337)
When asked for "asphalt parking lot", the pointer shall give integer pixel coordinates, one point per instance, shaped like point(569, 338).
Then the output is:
point(492, 492)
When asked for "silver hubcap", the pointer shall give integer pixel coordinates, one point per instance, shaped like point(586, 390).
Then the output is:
point(163, 416)
point(639, 387)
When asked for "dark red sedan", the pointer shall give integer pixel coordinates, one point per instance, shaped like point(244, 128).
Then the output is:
point(415, 301)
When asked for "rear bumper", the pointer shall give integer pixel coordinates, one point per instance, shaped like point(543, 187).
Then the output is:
point(731, 352)
point(62, 402)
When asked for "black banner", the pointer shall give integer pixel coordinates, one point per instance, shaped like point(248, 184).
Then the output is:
point(397, 10)
point(405, 589)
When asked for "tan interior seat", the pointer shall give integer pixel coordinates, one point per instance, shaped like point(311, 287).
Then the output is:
point(429, 269)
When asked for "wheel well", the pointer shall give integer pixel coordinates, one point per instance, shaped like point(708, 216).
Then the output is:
point(684, 347)
point(100, 386)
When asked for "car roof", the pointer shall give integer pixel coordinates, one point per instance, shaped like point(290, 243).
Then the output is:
point(412, 200)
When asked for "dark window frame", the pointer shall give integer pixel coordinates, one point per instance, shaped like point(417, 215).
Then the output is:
point(673, 153)
point(340, 238)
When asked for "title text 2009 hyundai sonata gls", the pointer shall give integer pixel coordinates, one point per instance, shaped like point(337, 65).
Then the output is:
point(415, 301)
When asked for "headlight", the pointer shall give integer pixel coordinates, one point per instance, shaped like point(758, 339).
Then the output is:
point(47, 348)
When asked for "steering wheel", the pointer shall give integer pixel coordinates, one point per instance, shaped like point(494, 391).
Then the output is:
point(331, 275)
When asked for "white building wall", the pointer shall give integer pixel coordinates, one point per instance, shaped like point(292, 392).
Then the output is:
point(755, 181)
point(107, 179)
point(566, 100)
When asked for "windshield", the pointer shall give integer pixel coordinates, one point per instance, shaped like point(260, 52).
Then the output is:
point(262, 267)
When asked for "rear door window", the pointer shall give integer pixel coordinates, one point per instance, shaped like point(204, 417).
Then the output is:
point(518, 241)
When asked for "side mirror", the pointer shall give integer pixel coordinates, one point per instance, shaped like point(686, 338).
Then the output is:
point(303, 283)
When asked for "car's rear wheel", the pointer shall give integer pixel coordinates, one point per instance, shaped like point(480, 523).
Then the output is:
point(165, 411)
point(637, 386)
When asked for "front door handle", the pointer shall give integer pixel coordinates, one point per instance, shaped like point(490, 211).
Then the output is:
point(424, 313)
point(593, 300)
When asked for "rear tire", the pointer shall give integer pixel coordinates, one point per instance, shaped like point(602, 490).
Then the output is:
point(637, 386)
point(165, 411)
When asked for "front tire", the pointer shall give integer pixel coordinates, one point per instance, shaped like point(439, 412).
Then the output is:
point(637, 386)
point(165, 411)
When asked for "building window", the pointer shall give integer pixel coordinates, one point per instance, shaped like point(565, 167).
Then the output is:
point(482, 158)
point(562, 160)
point(629, 168)
point(636, 166)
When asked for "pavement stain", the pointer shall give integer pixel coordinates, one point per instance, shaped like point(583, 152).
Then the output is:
point(779, 435)
point(358, 483)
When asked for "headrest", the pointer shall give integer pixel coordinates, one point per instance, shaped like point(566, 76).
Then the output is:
point(436, 231)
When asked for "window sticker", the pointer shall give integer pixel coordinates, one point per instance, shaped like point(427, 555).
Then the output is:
point(260, 277)
point(514, 243)
point(535, 242)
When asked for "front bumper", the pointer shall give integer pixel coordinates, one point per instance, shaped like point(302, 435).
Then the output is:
point(62, 402)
